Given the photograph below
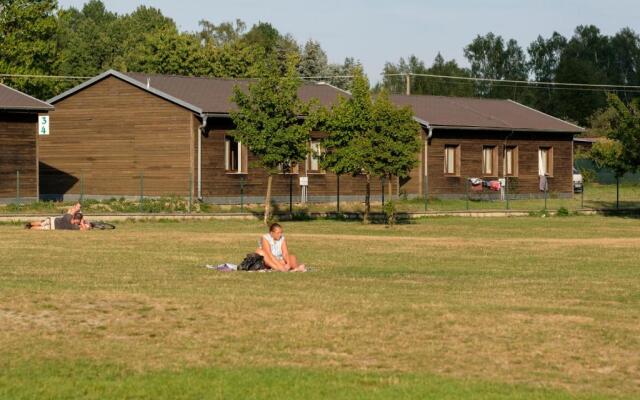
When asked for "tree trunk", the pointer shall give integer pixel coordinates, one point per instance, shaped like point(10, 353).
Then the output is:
point(390, 186)
point(367, 201)
point(267, 201)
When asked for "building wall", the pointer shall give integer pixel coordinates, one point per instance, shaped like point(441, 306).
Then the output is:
point(106, 136)
point(218, 185)
point(471, 143)
point(18, 151)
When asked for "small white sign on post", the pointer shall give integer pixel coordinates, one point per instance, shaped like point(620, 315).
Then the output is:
point(304, 181)
point(43, 125)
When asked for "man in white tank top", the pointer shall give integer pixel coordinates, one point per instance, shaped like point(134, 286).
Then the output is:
point(273, 247)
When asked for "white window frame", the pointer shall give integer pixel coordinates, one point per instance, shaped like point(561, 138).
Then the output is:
point(492, 150)
point(456, 159)
point(545, 166)
point(311, 157)
point(228, 140)
point(514, 161)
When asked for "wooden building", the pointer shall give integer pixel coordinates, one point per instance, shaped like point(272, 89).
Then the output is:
point(19, 144)
point(489, 140)
point(125, 134)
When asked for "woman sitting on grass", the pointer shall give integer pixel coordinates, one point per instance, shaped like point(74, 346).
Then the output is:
point(273, 247)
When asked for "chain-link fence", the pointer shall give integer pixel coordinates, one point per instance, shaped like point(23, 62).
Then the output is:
point(146, 193)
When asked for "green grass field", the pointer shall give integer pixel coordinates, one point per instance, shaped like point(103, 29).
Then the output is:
point(511, 308)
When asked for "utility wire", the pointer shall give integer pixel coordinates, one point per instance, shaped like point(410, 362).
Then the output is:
point(499, 82)
point(45, 76)
point(516, 81)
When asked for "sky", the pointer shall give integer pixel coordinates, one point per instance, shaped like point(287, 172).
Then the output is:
point(377, 31)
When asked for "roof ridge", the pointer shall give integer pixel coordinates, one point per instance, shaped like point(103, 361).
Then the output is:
point(226, 78)
point(131, 80)
point(152, 74)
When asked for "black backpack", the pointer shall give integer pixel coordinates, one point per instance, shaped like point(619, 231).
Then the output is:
point(252, 262)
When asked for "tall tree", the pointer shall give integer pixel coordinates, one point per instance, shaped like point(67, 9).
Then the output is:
point(27, 46)
point(394, 80)
point(268, 120)
point(396, 139)
point(221, 34)
point(340, 73)
point(369, 137)
point(625, 129)
point(349, 145)
point(544, 56)
point(490, 57)
point(583, 60)
point(265, 36)
point(313, 61)
point(88, 40)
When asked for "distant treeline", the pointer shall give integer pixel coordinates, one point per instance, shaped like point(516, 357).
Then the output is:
point(39, 38)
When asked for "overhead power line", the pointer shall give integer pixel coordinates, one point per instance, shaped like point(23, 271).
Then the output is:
point(45, 76)
point(516, 81)
point(500, 82)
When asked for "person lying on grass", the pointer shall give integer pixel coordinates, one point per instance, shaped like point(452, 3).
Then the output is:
point(72, 220)
point(273, 247)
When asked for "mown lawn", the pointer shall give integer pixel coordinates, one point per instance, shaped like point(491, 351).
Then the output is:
point(526, 308)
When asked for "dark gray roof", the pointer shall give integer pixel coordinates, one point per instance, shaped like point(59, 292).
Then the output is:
point(11, 99)
point(202, 95)
point(490, 114)
point(213, 95)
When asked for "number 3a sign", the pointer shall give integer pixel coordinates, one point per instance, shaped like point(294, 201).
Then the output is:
point(43, 125)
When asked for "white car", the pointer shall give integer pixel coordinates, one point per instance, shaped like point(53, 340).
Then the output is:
point(578, 183)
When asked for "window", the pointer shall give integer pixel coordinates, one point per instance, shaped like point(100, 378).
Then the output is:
point(452, 159)
point(511, 161)
point(313, 160)
point(545, 161)
point(234, 156)
point(489, 161)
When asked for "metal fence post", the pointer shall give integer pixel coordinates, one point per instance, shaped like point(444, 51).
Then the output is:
point(546, 188)
point(81, 188)
point(338, 193)
point(141, 191)
point(426, 193)
point(18, 188)
point(506, 191)
point(617, 192)
point(190, 190)
point(466, 192)
point(582, 196)
point(242, 194)
point(291, 193)
point(382, 187)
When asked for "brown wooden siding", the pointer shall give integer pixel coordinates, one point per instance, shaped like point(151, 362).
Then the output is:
point(18, 151)
point(110, 134)
point(471, 143)
point(217, 183)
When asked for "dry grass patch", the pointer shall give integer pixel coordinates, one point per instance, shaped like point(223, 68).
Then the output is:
point(525, 308)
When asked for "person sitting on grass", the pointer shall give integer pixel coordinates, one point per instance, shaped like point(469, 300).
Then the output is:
point(72, 220)
point(273, 247)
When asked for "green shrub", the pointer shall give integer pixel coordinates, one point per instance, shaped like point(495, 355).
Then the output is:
point(389, 210)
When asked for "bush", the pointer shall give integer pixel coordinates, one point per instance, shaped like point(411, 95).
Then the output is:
point(389, 210)
point(562, 212)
